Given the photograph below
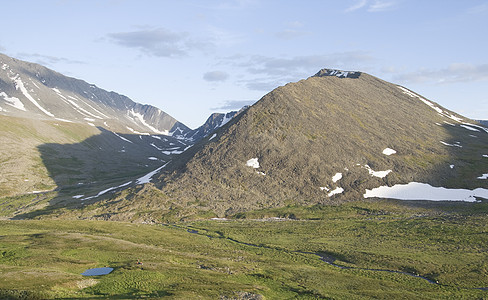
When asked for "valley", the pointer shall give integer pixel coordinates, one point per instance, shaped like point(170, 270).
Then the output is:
point(267, 254)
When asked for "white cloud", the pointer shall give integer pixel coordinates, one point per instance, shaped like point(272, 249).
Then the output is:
point(375, 6)
point(234, 104)
point(264, 73)
point(159, 42)
point(456, 72)
point(215, 76)
point(379, 6)
point(359, 4)
point(479, 9)
point(289, 34)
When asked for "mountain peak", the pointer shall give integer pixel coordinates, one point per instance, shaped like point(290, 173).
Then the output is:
point(338, 73)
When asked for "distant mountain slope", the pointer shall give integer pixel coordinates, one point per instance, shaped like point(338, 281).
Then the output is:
point(325, 139)
point(29, 90)
point(214, 122)
point(58, 133)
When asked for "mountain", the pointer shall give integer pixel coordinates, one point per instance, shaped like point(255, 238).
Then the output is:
point(214, 122)
point(29, 90)
point(483, 122)
point(58, 132)
point(323, 140)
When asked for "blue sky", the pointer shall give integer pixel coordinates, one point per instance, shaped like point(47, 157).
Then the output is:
point(191, 58)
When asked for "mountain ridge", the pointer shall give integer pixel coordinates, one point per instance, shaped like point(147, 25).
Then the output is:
point(293, 145)
point(322, 140)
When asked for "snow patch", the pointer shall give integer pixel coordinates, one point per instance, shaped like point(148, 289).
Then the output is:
point(122, 138)
point(140, 118)
point(153, 158)
point(212, 137)
point(485, 155)
point(78, 196)
point(424, 191)
point(13, 101)
point(107, 190)
point(152, 144)
point(469, 128)
point(136, 132)
point(484, 176)
point(147, 178)
point(336, 177)
point(324, 188)
point(379, 174)
point(19, 85)
point(253, 163)
point(225, 120)
point(476, 126)
point(451, 166)
point(335, 191)
point(430, 104)
point(388, 151)
point(451, 145)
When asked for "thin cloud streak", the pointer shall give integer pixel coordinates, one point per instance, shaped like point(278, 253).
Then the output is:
point(215, 76)
point(454, 73)
point(234, 104)
point(47, 59)
point(376, 6)
point(360, 4)
point(379, 6)
point(159, 42)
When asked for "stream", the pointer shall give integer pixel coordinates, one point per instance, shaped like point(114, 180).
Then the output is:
point(328, 259)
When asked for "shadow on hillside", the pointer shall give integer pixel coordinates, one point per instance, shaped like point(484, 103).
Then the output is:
point(109, 160)
point(98, 163)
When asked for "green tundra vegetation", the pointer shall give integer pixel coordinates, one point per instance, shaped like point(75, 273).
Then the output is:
point(266, 254)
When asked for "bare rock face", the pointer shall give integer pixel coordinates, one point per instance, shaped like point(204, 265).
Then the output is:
point(338, 73)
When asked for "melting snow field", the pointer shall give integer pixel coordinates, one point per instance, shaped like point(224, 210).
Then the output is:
point(147, 178)
point(140, 118)
point(19, 85)
point(388, 151)
point(13, 101)
point(338, 190)
point(380, 174)
point(253, 163)
point(424, 191)
point(336, 177)
point(107, 190)
point(451, 145)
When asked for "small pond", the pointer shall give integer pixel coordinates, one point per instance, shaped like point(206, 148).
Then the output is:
point(97, 271)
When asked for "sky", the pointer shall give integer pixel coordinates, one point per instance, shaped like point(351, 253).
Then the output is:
point(191, 58)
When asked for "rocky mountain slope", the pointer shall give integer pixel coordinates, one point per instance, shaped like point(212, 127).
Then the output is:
point(58, 132)
point(326, 139)
point(29, 90)
point(63, 137)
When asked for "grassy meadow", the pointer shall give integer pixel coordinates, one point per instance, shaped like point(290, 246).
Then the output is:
point(256, 256)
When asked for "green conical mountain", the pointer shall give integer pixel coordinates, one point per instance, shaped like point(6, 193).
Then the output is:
point(322, 140)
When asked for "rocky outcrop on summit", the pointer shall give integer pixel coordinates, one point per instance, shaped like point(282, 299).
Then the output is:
point(337, 73)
